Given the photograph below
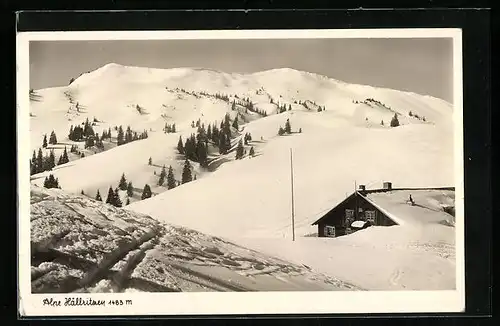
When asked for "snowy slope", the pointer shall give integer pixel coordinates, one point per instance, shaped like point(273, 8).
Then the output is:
point(111, 93)
point(250, 198)
point(80, 245)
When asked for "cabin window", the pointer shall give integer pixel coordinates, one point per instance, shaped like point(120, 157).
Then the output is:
point(348, 231)
point(370, 216)
point(329, 231)
point(349, 213)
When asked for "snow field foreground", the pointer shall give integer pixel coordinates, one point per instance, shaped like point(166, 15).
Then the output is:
point(81, 245)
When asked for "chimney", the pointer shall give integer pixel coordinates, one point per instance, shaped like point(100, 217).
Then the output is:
point(388, 185)
point(362, 188)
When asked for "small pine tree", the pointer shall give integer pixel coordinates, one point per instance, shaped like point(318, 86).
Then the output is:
point(281, 131)
point(235, 123)
point(111, 197)
point(170, 178)
point(240, 150)
point(98, 196)
point(118, 201)
point(82, 193)
point(300, 130)
point(395, 121)
point(252, 152)
point(123, 183)
point(180, 146)
point(128, 201)
point(288, 127)
point(150, 161)
point(146, 192)
point(382, 122)
point(53, 138)
point(186, 172)
point(65, 158)
point(410, 114)
point(44, 145)
point(163, 174)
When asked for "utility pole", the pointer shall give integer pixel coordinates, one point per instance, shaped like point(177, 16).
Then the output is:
point(293, 210)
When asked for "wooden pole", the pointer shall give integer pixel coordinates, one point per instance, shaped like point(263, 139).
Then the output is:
point(293, 209)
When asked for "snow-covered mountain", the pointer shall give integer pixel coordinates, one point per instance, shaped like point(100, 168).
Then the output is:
point(344, 143)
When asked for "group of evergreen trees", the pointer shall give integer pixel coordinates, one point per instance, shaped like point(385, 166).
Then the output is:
point(40, 163)
point(321, 108)
point(114, 195)
point(129, 136)
point(195, 148)
point(394, 120)
point(283, 108)
point(169, 128)
point(52, 139)
point(287, 129)
point(171, 183)
point(78, 133)
point(51, 182)
point(416, 116)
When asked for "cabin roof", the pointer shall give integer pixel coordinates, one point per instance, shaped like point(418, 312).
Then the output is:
point(393, 203)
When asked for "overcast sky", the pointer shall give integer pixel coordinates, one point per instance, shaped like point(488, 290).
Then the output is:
point(423, 66)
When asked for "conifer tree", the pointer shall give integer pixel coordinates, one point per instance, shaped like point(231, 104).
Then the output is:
point(300, 130)
point(180, 146)
point(111, 197)
point(281, 131)
point(252, 151)
point(201, 152)
point(65, 158)
point(410, 114)
point(33, 162)
point(51, 163)
point(288, 128)
point(235, 123)
point(394, 121)
point(163, 174)
point(146, 192)
point(150, 161)
point(186, 172)
point(120, 137)
point(170, 178)
point(53, 138)
point(173, 128)
point(39, 161)
point(209, 132)
point(123, 183)
point(240, 150)
point(82, 193)
point(382, 122)
point(44, 144)
point(128, 201)
point(70, 135)
point(98, 196)
point(118, 201)
point(130, 189)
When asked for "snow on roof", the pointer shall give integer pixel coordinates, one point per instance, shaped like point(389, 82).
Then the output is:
point(358, 224)
point(427, 208)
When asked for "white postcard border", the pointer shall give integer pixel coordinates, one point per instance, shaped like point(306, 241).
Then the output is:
point(228, 303)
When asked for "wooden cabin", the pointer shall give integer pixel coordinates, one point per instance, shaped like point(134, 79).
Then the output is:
point(358, 211)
